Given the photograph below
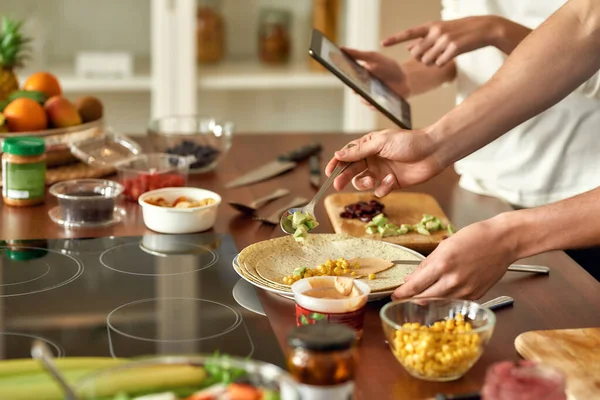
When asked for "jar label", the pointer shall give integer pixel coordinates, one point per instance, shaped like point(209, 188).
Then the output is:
point(354, 319)
point(345, 391)
point(23, 181)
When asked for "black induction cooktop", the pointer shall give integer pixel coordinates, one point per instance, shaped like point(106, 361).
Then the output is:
point(127, 297)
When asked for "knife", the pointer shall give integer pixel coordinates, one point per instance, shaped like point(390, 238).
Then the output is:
point(283, 163)
point(314, 166)
point(536, 269)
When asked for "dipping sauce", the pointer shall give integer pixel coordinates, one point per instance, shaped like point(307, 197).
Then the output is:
point(318, 300)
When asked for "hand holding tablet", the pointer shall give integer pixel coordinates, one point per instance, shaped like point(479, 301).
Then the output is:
point(360, 80)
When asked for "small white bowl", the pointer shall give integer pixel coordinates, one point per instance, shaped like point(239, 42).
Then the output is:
point(179, 220)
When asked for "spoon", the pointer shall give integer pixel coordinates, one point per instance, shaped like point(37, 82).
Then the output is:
point(286, 224)
point(41, 352)
point(256, 204)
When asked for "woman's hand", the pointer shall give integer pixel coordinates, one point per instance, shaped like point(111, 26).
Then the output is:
point(386, 160)
point(437, 43)
point(384, 68)
point(466, 265)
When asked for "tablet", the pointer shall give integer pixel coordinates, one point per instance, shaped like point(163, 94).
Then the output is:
point(360, 80)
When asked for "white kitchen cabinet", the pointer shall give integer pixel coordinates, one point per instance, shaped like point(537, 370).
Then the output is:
point(160, 34)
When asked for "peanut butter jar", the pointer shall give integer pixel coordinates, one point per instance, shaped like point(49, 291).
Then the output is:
point(23, 171)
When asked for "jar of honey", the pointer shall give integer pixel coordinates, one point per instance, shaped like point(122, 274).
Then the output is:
point(322, 358)
point(23, 171)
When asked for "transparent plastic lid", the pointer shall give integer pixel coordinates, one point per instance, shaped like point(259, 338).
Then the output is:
point(106, 150)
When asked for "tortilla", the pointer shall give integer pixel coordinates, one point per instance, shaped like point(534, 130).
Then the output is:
point(271, 260)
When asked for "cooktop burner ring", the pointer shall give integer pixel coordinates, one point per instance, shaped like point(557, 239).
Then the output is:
point(57, 349)
point(46, 272)
point(238, 320)
point(214, 257)
point(78, 272)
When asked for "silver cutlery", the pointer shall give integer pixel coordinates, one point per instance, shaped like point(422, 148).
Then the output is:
point(273, 219)
point(498, 302)
point(286, 224)
point(537, 269)
point(257, 204)
point(41, 352)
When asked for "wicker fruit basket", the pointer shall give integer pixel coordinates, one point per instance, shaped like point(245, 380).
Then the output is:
point(58, 140)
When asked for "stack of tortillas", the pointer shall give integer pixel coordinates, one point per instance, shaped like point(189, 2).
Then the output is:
point(266, 263)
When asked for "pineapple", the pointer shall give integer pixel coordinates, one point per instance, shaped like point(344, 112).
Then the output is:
point(12, 49)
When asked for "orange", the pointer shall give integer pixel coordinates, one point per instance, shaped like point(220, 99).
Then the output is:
point(25, 115)
point(43, 82)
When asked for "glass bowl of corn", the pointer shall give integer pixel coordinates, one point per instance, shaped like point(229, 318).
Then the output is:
point(437, 339)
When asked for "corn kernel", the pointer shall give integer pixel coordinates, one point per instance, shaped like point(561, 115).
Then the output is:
point(371, 277)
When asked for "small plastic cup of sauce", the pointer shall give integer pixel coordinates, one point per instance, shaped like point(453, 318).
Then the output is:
point(318, 300)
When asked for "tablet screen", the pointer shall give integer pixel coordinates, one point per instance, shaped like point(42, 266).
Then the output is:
point(387, 99)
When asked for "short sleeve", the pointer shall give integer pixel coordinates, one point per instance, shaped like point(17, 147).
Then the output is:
point(450, 10)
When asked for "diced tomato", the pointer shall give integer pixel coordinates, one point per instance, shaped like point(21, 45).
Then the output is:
point(239, 391)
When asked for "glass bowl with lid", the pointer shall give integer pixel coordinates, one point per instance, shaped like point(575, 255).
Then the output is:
point(184, 376)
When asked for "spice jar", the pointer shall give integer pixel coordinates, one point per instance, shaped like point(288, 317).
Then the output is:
point(274, 36)
point(23, 171)
point(210, 32)
point(322, 358)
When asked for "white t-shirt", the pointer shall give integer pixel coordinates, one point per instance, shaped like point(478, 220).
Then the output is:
point(550, 157)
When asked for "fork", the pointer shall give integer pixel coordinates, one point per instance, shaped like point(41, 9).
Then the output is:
point(273, 219)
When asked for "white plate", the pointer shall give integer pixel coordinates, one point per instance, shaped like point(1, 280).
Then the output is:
point(289, 294)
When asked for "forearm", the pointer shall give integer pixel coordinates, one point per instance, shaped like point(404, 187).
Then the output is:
point(568, 224)
point(421, 78)
point(549, 64)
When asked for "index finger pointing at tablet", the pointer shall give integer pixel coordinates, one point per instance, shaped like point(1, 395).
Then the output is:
point(408, 34)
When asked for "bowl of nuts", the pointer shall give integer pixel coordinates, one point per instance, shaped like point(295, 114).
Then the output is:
point(437, 339)
point(207, 139)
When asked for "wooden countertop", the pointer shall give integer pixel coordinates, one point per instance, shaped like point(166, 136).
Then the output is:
point(568, 298)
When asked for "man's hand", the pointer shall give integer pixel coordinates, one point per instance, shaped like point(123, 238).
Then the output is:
point(466, 265)
point(386, 160)
point(437, 43)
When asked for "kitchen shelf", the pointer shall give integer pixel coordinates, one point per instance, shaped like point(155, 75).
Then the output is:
point(70, 82)
point(245, 75)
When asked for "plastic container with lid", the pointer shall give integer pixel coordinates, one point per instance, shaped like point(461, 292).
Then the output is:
point(23, 171)
point(322, 358)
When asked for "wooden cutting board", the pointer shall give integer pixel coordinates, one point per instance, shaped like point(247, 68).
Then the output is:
point(400, 208)
point(576, 352)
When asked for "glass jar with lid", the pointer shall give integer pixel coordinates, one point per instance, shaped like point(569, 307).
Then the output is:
point(274, 41)
point(210, 32)
point(322, 358)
